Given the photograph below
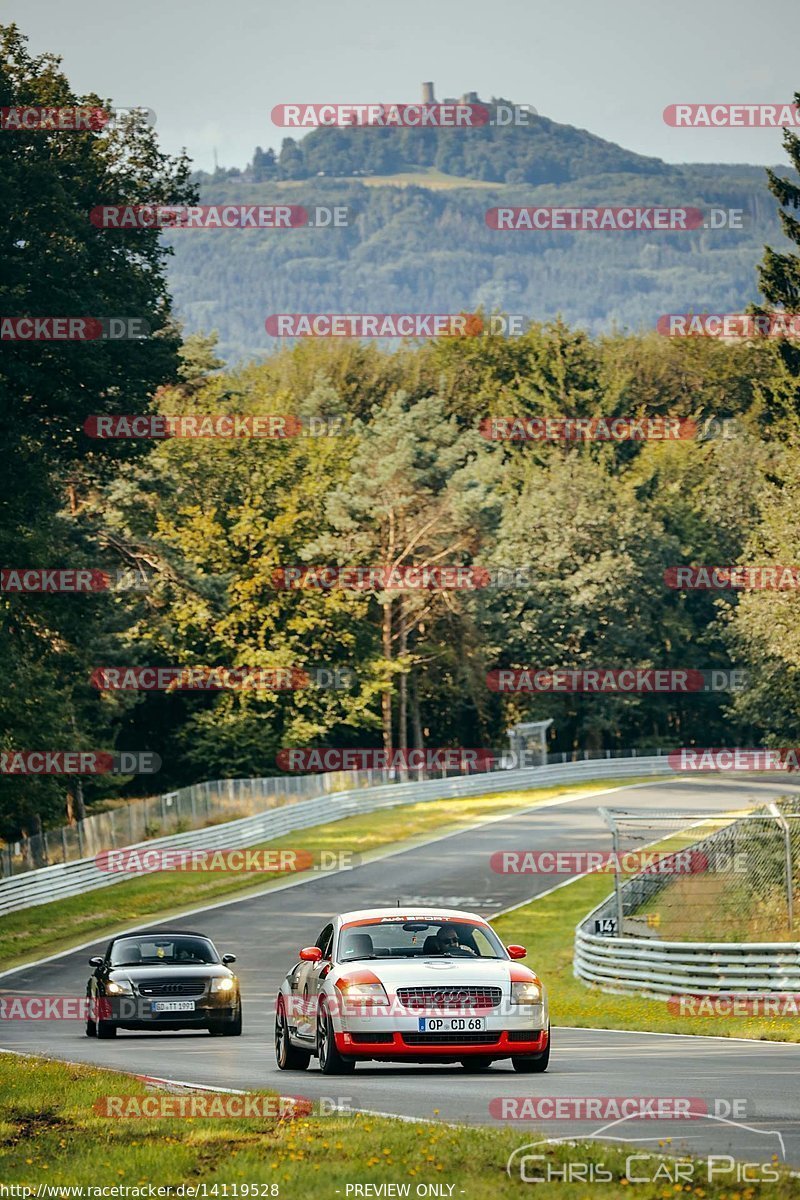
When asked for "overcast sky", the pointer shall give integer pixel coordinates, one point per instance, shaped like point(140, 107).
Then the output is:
point(213, 71)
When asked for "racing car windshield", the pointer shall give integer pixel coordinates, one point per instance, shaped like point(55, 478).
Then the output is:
point(404, 937)
point(152, 951)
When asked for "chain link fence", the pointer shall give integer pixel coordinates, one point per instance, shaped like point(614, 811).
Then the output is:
point(731, 877)
point(221, 800)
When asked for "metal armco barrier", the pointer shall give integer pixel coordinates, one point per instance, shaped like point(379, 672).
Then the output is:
point(72, 878)
point(648, 966)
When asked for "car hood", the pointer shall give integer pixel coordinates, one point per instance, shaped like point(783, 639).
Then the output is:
point(170, 971)
point(440, 972)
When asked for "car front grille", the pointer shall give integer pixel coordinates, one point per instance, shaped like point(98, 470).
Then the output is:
point(369, 1039)
point(449, 997)
point(524, 1035)
point(170, 987)
point(451, 1039)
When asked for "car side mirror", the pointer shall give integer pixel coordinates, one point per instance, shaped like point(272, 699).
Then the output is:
point(228, 958)
point(516, 951)
point(311, 954)
point(97, 961)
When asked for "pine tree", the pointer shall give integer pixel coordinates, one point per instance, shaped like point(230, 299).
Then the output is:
point(779, 279)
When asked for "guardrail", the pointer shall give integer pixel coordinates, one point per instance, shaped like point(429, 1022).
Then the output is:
point(652, 967)
point(57, 882)
point(218, 800)
point(648, 968)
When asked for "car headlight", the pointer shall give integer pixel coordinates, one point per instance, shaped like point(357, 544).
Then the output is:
point(526, 993)
point(119, 987)
point(223, 984)
point(357, 991)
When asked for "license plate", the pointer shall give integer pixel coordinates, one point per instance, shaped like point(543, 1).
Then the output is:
point(452, 1024)
point(173, 1006)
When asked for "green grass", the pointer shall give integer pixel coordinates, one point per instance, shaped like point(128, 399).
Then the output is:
point(547, 927)
point(49, 928)
point(51, 1135)
point(426, 177)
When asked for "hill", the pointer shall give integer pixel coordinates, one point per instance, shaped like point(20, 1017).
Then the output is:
point(419, 241)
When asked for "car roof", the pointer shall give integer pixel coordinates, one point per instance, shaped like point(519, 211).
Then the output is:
point(413, 912)
point(161, 933)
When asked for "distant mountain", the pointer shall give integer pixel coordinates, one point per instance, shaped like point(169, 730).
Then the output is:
point(542, 152)
point(419, 241)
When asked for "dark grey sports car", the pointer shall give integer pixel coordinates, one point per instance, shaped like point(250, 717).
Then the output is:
point(164, 979)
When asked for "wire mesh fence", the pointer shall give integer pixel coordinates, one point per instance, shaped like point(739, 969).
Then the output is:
point(213, 802)
point(716, 878)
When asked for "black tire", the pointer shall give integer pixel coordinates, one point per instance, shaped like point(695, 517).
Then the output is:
point(331, 1061)
point(533, 1063)
point(91, 1015)
point(473, 1065)
point(227, 1028)
point(287, 1056)
point(105, 1029)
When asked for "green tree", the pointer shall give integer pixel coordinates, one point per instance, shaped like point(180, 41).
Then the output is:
point(419, 493)
point(55, 262)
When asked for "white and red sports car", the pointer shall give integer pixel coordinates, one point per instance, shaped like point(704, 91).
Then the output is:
point(411, 986)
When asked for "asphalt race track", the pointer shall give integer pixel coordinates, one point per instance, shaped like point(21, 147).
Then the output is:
point(267, 930)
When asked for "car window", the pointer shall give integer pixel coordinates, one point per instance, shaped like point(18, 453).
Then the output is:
point(324, 941)
point(153, 950)
point(389, 937)
point(482, 943)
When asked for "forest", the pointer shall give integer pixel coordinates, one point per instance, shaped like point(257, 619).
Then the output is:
point(388, 465)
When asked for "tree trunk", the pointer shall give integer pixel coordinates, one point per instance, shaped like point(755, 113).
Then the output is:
point(402, 706)
point(80, 807)
point(416, 719)
point(402, 720)
point(39, 847)
point(386, 696)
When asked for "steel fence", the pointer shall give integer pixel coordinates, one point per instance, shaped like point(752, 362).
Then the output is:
point(72, 878)
point(203, 804)
point(740, 881)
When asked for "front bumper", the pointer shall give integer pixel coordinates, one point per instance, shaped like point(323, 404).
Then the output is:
point(390, 1045)
point(136, 1012)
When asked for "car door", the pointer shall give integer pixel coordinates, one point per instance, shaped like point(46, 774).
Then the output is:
point(316, 976)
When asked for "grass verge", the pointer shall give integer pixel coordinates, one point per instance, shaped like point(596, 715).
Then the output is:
point(49, 928)
point(547, 927)
point(51, 1136)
